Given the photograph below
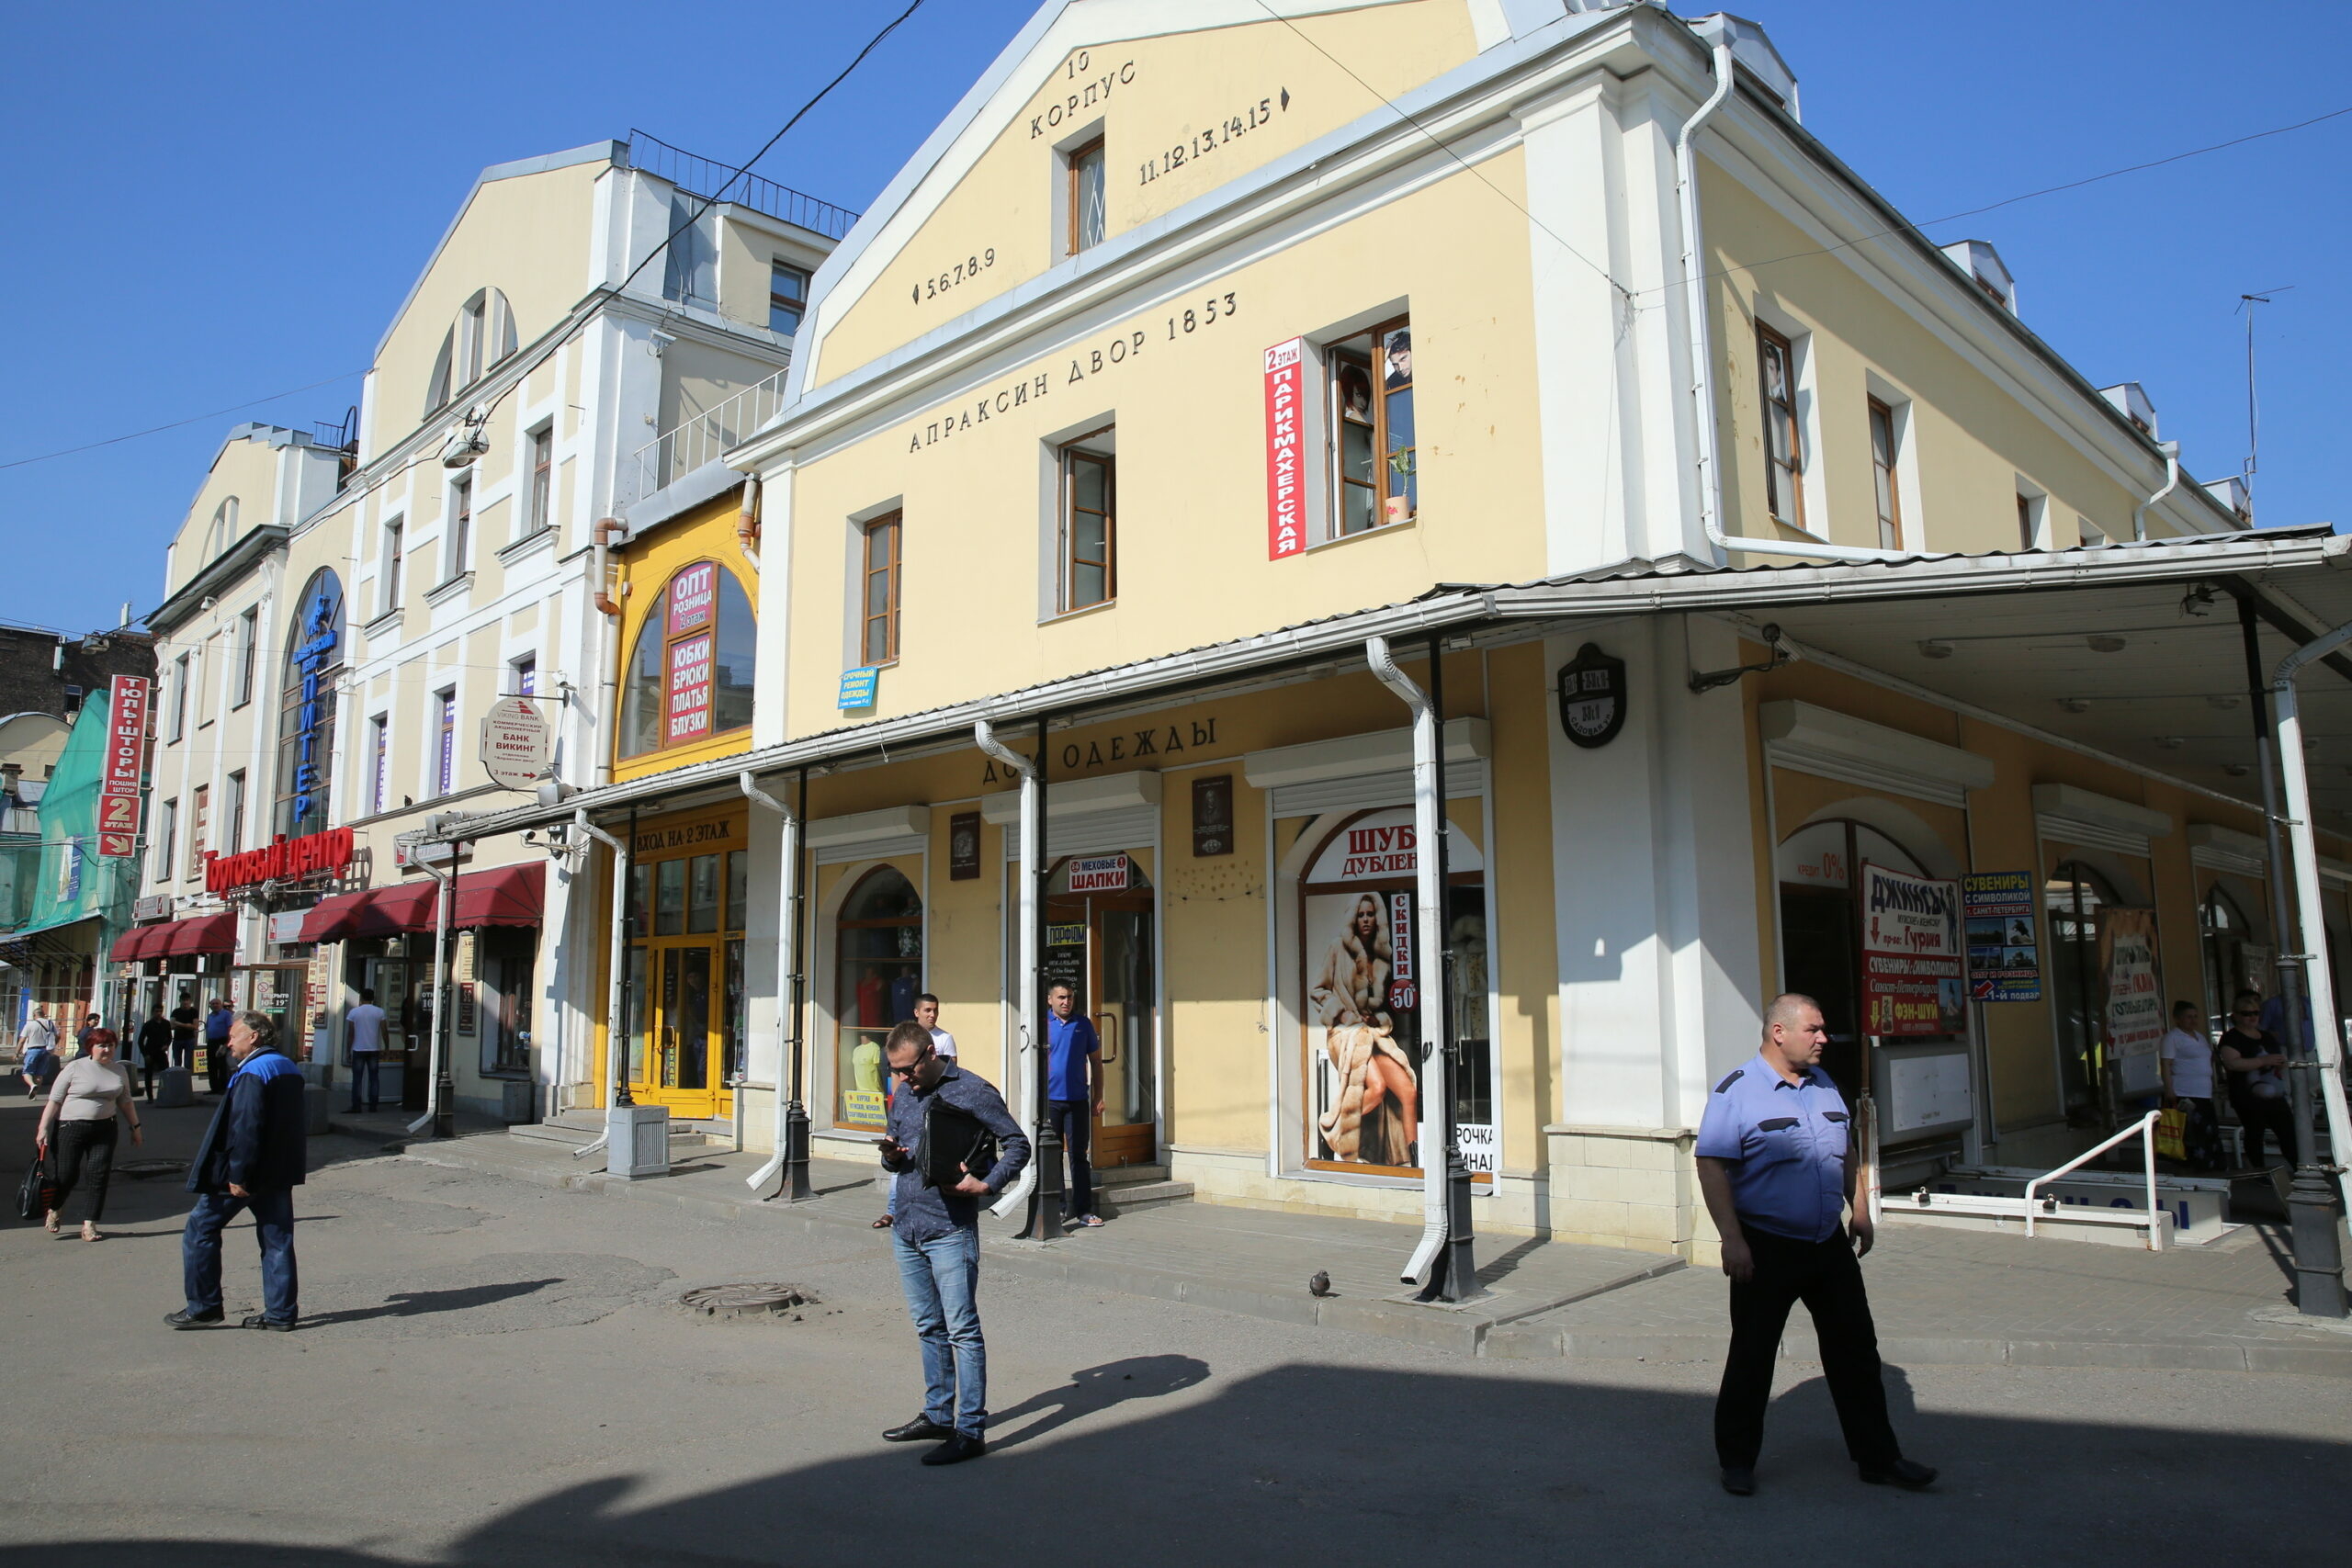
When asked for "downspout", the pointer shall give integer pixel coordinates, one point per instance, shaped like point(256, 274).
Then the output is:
point(615, 1045)
point(786, 943)
point(1429, 821)
point(443, 896)
point(1702, 373)
point(747, 522)
point(2319, 982)
point(2172, 481)
point(1031, 1054)
point(608, 663)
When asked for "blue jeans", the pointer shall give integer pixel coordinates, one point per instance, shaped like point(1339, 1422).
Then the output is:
point(200, 1250)
point(942, 1279)
point(363, 1077)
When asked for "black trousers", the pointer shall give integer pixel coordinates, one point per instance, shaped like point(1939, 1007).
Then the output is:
point(85, 1164)
point(2258, 1116)
point(1827, 1277)
point(1073, 1121)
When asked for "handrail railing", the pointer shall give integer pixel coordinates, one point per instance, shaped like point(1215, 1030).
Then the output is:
point(698, 176)
point(685, 446)
point(2145, 1129)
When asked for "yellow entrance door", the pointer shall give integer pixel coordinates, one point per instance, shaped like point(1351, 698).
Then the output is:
point(688, 1029)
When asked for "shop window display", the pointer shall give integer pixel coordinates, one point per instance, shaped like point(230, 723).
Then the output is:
point(879, 959)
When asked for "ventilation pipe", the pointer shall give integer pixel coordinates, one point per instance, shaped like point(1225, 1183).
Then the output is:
point(787, 946)
point(1702, 373)
point(1429, 822)
point(2172, 482)
point(1029, 1076)
point(615, 1045)
point(443, 896)
point(747, 522)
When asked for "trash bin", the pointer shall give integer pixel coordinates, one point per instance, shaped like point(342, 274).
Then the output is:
point(637, 1141)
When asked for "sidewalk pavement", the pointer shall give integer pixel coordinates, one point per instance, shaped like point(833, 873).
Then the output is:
point(1941, 1296)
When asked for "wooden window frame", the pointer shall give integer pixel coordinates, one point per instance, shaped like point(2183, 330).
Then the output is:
point(1885, 469)
point(1341, 481)
point(542, 476)
point(1782, 412)
point(461, 527)
point(893, 571)
point(1070, 454)
point(2029, 534)
point(1073, 167)
point(798, 309)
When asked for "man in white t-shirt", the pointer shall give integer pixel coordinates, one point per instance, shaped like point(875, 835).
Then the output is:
point(2186, 1060)
point(366, 1027)
point(37, 1051)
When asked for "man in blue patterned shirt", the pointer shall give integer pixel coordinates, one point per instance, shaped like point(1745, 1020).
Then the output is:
point(936, 1236)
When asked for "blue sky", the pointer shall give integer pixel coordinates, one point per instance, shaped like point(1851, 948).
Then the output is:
point(216, 204)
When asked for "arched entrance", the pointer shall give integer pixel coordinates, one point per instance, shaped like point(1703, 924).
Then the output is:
point(877, 960)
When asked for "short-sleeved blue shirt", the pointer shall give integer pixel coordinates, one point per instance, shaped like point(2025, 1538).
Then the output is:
point(1788, 1143)
point(1069, 1042)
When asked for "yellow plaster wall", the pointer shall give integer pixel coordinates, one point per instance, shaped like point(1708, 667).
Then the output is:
point(246, 470)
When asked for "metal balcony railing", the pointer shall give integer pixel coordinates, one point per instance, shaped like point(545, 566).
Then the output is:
point(685, 446)
point(698, 176)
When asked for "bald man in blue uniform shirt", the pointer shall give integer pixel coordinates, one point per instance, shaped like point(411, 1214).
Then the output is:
point(1777, 1165)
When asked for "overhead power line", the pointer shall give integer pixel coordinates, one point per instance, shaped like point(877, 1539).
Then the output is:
point(192, 419)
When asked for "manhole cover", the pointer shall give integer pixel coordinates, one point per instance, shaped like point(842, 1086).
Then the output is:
point(746, 1300)
point(148, 1169)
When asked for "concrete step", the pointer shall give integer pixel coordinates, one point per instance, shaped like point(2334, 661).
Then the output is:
point(1127, 1197)
point(573, 1133)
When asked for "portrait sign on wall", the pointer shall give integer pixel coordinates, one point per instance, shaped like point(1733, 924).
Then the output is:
point(1213, 815)
point(964, 847)
point(1912, 979)
point(1592, 697)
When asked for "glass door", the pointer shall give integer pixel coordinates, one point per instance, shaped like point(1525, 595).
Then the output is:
point(684, 982)
point(1101, 940)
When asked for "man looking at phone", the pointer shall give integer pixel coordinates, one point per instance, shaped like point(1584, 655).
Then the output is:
point(937, 1236)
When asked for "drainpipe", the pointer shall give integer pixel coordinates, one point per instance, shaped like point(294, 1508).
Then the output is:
point(609, 657)
point(437, 1114)
point(791, 1116)
point(615, 1044)
point(2172, 480)
point(747, 522)
point(1429, 822)
point(1029, 1075)
point(1702, 373)
point(2310, 1201)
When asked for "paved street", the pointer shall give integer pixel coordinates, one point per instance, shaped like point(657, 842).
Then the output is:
point(491, 1371)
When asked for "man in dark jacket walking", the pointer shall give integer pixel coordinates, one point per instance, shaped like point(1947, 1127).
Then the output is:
point(251, 1157)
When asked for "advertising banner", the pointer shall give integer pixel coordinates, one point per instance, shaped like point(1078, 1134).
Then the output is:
point(2135, 1001)
point(694, 598)
point(1098, 873)
point(2004, 955)
point(126, 761)
point(1912, 981)
point(688, 699)
point(1285, 451)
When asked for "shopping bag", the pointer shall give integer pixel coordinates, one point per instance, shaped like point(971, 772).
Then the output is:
point(36, 1196)
point(2172, 1134)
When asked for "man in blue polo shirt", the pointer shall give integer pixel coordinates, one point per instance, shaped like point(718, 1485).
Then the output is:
point(1777, 1165)
point(1073, 1095)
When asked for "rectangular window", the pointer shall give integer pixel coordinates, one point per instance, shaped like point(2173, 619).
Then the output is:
point(524, 676)
point(73, 696)
point(878, 636)
point(1089, 526)
point(542, 476)
point(248, 649)
point(445, 741)
point(379, 754)
point(2029, 536)
point(1375, 465)
point(461, 529)
point(232, 814)
point(1890, 514)
point(179, 697)
point(167, 825)
point(1085, 197)
point(1783, 440)
point(391, 569)
point(198, 815)
point(787, 299)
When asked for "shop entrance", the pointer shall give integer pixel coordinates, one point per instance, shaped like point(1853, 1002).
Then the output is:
point(1101, 940)
point(685, 971)
point(1821, 933)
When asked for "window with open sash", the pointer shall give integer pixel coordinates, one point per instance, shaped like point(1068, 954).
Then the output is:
point(1376, 471)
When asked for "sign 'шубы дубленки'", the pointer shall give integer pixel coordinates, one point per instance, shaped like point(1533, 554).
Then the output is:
point(282, 859)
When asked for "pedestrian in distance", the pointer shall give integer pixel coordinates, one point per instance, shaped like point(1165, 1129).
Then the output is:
point(36, 1052)
point(217, 1024)
point(154, 1046)
point(2255, 1063)
point(1777, 1165)
point(1074, 1094)
point(92, 1094)
point(185, 1022)
point(366, 1024)
point(937, 1239)
point(96, 1032)
point(926, 1014)
point(82, 1035)
point(2186, 1064)
point(251, 1157)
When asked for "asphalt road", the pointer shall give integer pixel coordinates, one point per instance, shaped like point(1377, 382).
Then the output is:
point(491, 1372)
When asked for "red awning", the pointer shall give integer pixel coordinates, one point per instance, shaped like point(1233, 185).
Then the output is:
point(505, 896)
point(140, 942)
point(206, 934)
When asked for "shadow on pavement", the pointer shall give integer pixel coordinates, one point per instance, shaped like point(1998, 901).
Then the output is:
point(419, 1304)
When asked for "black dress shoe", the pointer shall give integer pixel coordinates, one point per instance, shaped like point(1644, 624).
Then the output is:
point(263, 1320)
point(186, 1319)
point(1739, 1480)
point(1907, 1474)
point(922, 1429)
point(956, 1449)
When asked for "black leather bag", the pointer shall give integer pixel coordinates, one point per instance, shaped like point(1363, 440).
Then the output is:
point(37, 1195)
point(954, 1144)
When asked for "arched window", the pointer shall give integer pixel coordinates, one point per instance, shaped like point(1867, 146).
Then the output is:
point(222, 531)
point(689, 675)
point(2074, 896)
point(307, 707)
point(2225, 931)
point(480, 338)
point(879, 960)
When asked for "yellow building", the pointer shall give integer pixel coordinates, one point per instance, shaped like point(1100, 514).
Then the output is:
point(1207, 361)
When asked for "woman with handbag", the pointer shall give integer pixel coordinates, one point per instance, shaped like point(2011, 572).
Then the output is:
point(82, 1105)
point(2256, 1065)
